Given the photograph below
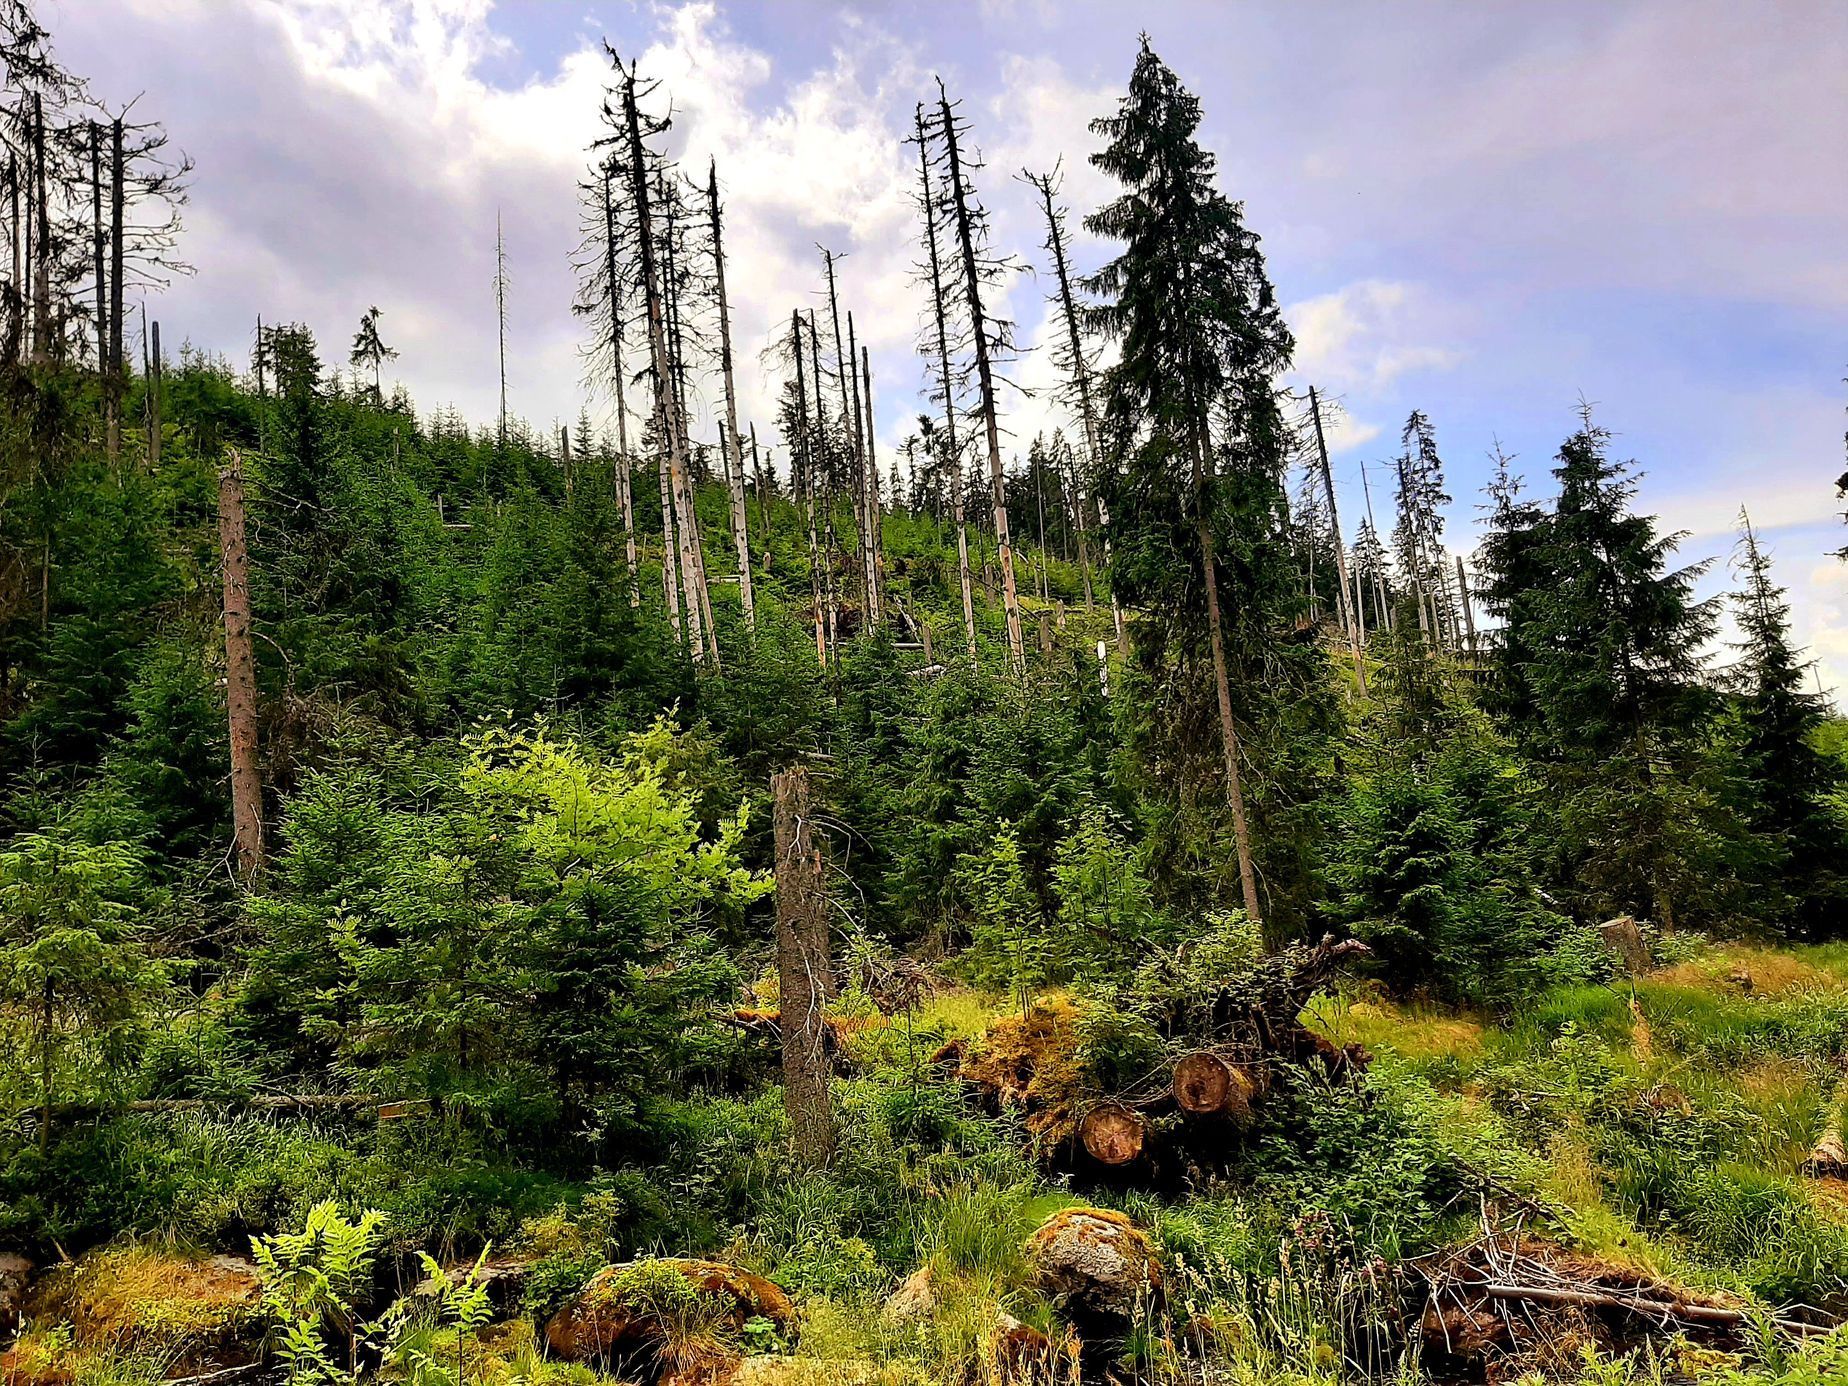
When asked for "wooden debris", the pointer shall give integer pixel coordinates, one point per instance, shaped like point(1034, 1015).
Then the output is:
point(1624, 937)
point(1208, 1084)
point(1113, 1133)
point(836, 1030)
point(1491, 1298)
point(613, 1318)
point(1829, 1158)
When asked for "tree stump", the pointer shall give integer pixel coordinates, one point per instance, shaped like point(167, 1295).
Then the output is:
point(1113, 1134)
point(1624, 937)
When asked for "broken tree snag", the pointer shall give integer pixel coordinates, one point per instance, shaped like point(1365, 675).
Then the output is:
point(1624, 937)
point(240, 672)
point(1207, 1084)
point(1113, 1133)
point(802, 970)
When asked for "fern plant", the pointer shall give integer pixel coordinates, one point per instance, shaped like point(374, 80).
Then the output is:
point(312, 1283)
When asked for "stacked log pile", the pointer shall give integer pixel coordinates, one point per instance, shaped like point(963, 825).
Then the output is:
point(1226, 1043)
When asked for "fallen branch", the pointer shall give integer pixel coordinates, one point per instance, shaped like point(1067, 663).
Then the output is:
point(262, 1102)
point(1676, 1312)
point(238, 1373)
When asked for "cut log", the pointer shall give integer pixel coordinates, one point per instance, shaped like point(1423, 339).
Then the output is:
point(1202, 1082)
point(1829, 1160)
point(1113, 1134)
point(1207, 1084)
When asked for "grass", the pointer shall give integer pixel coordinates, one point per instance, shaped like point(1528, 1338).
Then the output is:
point(1422, 1036)
point(1664, 1123)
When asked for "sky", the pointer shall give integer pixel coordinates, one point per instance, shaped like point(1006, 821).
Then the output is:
point(1493, 213)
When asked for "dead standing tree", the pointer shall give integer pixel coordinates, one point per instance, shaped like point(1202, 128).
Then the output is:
point(680, 571)
point(825, 472)
point(731, 443)
point(601, 296)
point(677, 285)
point(802, 970)
point(240, 673)
point(1073, 360)
point(800, 439)
point(987, 337)
point(847, 377)
point(1350, 614)
point(866, 479)
point(939, 346)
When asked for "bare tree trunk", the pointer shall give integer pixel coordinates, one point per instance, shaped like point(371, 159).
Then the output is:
point(257, 360)
point(624, 476)
point(670, 541)
point(802, 967)
point(672, 463)
point(802, 481)
point(862, 464)
point(16, 290)
point(1469, 615)
point(500, 320)
point(949, 386)
point(1081, 381)
point(693, 586)
point(1222, 685)
point(848, 380)
point(41, 262)
point(118, 204)
point(1039, 510)
point(984, 375)
point(820, 470)
point(1350, 616)
point(625, 499)
point(874, 528)
point(240, 673)
point(156, 375)
point(1382, 608)
point(762, 480)
point(97, 235)
point(865, 483)
point(734, 458)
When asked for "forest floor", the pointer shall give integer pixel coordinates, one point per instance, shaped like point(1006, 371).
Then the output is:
point(1618, 1184)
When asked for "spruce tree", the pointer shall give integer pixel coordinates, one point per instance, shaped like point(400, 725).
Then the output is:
point(1600, 680)
point(1201, 338)
point(1789, 779)
point(369, 349)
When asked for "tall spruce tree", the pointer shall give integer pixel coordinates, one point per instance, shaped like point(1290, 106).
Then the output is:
point(1599, 678)
point(1193, 435)
point(1788, 777)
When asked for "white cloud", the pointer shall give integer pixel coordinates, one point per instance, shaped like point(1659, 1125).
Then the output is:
point(1821, 621)
point(1364, 336)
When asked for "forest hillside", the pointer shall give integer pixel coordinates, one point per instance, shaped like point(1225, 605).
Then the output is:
point(488, 906)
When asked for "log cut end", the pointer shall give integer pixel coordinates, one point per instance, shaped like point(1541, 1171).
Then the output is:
point(1113, 1134)
point(1207, 1085)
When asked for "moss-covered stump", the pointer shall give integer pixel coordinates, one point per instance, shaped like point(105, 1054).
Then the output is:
point(1031, 1063)
point(505, 1277)
point(681, 1319)
point(195, 1313)
point(1096, 1263)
